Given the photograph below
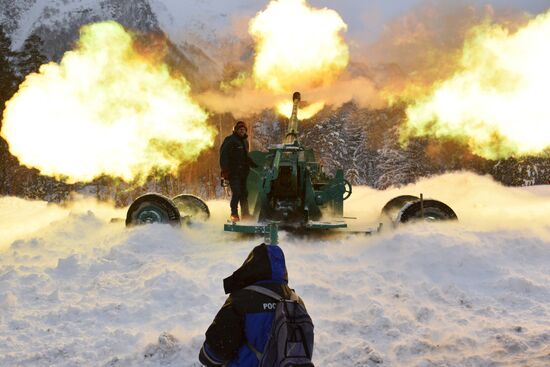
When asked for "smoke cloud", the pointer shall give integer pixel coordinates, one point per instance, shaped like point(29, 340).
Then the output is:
point(426, 43)
point(249, 100)
point(412, 53)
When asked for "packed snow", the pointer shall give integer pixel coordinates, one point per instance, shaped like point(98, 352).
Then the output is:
point(78, 290)
point(35, 15)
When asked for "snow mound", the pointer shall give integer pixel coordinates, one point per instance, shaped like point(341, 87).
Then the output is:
point(76, 289)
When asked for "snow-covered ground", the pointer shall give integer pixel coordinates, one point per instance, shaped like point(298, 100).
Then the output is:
point(76, 290)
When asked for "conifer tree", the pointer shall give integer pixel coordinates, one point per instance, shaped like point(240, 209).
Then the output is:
point(30, 57)
point(7, 87)
point(7, 76)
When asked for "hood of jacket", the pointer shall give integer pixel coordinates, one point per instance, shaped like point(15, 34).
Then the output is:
point(264, 263)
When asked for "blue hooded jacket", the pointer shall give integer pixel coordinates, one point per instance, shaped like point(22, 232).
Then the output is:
point(247, 316)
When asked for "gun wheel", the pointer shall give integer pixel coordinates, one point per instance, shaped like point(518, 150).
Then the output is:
point(192, 207)
point(428, 210)
point(152, 208)
point(392, 207)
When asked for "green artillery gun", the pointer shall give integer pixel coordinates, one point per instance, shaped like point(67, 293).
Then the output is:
point(288, 189)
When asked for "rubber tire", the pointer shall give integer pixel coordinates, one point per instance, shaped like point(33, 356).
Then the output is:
point(392, 207)
point(192, 206)
point(434, 210)
point(154, 208)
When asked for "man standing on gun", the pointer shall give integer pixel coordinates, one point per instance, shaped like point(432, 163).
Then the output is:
point(235, 165)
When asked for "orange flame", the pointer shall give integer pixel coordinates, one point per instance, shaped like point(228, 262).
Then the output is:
point(306, 112)
point(497, 103)
point(106, 109)
point(297, 46)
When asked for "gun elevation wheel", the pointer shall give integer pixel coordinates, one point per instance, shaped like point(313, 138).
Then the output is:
point(347, 190)
point(428, 210)
point(152, 208)
point(192, 207)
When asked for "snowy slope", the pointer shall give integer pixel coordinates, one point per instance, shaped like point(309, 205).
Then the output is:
point(209, 32)
point(58, 21)
point(209, 19)
point(47, 13)
point(25, 17)
point(78, 290)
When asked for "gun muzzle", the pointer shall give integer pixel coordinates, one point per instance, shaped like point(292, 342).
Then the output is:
point(291, 136)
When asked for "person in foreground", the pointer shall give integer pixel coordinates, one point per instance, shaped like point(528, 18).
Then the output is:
point(263, 322)
point(235, 165)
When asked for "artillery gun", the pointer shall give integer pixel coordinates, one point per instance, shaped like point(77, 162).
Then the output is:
point(288, 188)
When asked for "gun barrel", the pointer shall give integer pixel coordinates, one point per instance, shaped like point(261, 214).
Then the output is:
point(292, 131)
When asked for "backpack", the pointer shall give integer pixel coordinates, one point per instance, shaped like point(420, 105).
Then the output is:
point(290, 341)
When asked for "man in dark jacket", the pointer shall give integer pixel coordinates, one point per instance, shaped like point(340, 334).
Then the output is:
point(247, 316)
point(235, 165)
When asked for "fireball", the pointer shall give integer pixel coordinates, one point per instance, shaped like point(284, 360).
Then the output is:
point(307, 112)
point(496, 103)
point(297, 46)
point(107, 108)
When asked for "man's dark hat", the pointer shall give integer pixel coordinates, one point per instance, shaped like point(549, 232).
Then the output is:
point(239, 124)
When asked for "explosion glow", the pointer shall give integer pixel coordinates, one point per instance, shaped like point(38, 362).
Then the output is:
point(497, 103)
point(297, 47)
point(105, 109)
point(306, 112)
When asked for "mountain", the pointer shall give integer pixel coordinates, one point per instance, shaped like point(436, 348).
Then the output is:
point(57, 22)
point(11, 13)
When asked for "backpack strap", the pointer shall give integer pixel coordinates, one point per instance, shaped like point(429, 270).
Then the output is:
point(274, 295)
point(264, 291)
point(256, 352)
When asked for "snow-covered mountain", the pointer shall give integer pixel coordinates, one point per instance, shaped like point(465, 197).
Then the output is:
point(57, 23)
point(212, 28)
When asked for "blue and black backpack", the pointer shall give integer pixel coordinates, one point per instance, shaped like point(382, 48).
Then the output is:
point(290, 341)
